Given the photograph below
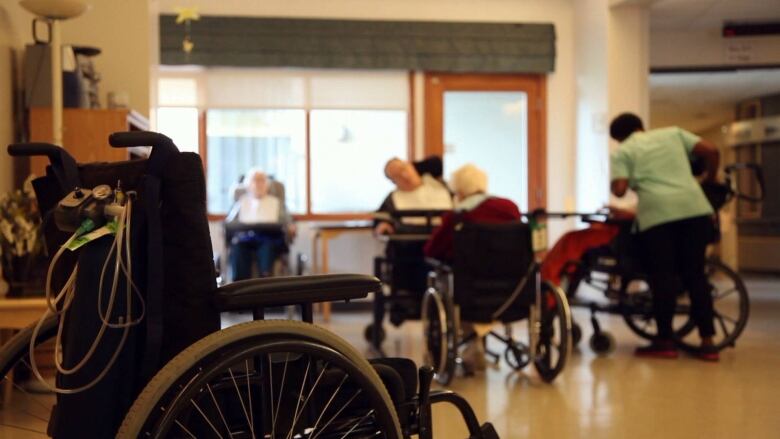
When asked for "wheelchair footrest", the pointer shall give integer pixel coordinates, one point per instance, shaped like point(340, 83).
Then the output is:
point(487, 431)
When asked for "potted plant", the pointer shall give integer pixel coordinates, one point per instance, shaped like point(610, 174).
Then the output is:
point(21, 243)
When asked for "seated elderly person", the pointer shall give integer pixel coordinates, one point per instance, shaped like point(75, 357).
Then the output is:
point(415, 190)
point(258, 206)
point(473, 204)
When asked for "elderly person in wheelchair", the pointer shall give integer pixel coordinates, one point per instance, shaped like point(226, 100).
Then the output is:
point(473, 205)
point(258, 226)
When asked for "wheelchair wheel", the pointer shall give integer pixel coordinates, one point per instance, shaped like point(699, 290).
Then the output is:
point(730, 302)
point(638, 312)
point(265, 379)
point(33, 407)
point(554, 343)
point(440, 335)
point(731, 306)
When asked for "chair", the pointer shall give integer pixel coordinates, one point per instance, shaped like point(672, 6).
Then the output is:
point(494, 278)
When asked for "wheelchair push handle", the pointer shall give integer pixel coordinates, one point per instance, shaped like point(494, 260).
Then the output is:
point(142, 138)
point(63, 165)
point(759, 174)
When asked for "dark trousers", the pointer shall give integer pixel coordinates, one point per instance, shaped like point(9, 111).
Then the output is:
point(674, 258)
point(264, 250)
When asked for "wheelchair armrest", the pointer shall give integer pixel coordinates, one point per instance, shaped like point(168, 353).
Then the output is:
point(292, 290)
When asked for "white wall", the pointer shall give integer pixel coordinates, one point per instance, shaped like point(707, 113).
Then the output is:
point(612, 77)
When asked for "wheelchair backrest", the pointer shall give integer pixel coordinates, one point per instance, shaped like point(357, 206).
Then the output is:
point(491, 261)
point(171, 267)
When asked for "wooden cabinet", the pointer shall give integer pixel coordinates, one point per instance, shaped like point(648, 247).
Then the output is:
point(85, 133)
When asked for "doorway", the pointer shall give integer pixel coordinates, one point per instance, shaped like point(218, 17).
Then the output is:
point(495, 121)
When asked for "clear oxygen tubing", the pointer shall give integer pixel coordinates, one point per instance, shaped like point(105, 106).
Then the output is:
point(120, 246)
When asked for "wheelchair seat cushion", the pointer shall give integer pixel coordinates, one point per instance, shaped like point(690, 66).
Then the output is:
point(291, 290)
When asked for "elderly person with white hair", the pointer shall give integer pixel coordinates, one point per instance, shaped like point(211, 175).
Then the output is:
point(472, 205)
point(257, 206)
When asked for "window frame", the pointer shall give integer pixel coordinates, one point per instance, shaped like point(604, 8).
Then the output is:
point(309, 215)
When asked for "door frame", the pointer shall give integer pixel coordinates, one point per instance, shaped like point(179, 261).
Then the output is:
point(535, 86)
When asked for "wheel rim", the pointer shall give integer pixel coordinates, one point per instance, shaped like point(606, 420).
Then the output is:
point(730, 307)
point(435, 332)
point(639, 314)
point(273, 389)
point(554, 344)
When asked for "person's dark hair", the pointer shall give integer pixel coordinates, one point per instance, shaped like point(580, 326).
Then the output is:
point(624, 126)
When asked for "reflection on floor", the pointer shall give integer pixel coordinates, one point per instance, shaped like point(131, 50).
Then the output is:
point(617, 396)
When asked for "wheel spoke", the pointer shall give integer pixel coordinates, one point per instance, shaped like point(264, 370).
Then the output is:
point(300, 397)
point(332, 397)
point(722, 325)
point(206, 418)
point(311, 392)
point(249, 396)
point(726, 293)
point(338, 413)
point(281, 390)
point(214, 399)
point(185, 429)
point(243, 407)
point(360, 421)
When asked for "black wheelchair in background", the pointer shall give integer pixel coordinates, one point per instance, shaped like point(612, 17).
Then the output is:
point(403, 270)
point(494, 278)
point(616, 271)
point(179, 375)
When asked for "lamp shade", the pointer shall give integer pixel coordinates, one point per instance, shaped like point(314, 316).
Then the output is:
point(55, 9)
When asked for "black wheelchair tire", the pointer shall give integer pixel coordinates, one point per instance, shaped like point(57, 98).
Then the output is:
point(152, 410)
point(713, 267)
point(547, 367)
point(442, 356)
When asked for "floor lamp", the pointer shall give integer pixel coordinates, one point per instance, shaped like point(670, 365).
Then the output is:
point(55, 11)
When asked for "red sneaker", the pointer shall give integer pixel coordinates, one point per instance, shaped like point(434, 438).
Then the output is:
point(658, 349)
point(708, 353)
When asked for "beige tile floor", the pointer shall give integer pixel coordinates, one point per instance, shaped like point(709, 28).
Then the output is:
point(618, 396)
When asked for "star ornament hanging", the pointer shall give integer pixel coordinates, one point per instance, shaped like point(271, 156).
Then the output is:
point(185, 16)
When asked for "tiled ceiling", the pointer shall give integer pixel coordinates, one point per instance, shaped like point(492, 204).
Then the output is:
point(709, 14)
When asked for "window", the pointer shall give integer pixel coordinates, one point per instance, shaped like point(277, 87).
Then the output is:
point(349, 149)
point(327, 131)
point(271, 140)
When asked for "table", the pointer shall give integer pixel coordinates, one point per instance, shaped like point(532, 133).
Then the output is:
point(323, 233)
point(16, 314)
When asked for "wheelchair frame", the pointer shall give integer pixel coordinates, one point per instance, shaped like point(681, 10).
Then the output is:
point(257, 295)
point(446, 320)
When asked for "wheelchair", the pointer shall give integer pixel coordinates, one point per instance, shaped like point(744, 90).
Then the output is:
point(494, 278)
point(174, 373)
point(282, 265)
point(615, 271)
point(403, 270)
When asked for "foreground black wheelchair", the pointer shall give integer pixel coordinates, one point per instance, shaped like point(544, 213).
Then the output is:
point(154, 363)
point(616, 271)
point(494, 278)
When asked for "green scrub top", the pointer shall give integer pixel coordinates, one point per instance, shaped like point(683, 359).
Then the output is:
point(657, 166)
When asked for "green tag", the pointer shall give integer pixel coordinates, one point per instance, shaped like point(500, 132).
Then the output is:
point(538, 235)
point(108, 229)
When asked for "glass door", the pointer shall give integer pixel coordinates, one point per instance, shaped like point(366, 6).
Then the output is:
point(494, 122)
